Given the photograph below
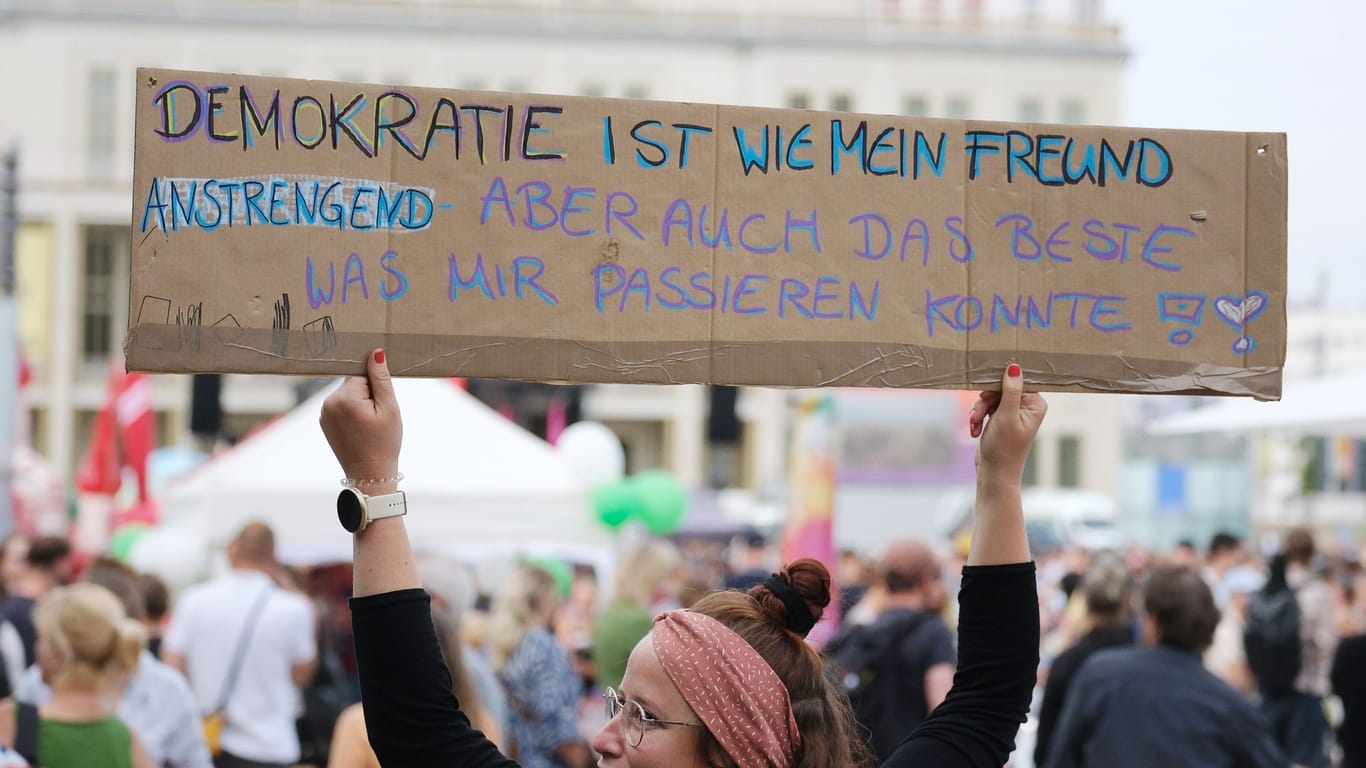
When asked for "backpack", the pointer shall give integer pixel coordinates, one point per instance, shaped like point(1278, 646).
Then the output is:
point(863, 662)
point(1271, 639)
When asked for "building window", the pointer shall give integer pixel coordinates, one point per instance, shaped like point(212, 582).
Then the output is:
point(958, 108)
point(1073, 112)
point(916, 106)
point(841, 102)
point(101, 138)
point(1031, 111)
point(104, 305)
point(637, 92)
point(594, 90)
point(798, 100)
point(1069, 461)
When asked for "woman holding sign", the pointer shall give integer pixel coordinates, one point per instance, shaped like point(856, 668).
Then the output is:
point(730, 682)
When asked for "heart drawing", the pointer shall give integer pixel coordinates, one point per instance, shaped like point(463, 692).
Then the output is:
point(1237, 313)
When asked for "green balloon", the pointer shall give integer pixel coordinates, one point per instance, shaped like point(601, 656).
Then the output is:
point(615, 503)
point(121, 543)
point(663, 501)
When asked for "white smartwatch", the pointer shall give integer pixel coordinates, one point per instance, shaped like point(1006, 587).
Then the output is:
point(355, 510)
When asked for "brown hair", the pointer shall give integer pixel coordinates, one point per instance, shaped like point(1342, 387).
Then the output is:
point(1180, 602)
point(121, 580)
point(822, 712)
point(1299, 546)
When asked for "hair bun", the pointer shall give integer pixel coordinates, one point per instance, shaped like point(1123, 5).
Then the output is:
point(795, 597)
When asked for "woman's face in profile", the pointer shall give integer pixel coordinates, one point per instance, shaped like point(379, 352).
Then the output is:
point(661, 746)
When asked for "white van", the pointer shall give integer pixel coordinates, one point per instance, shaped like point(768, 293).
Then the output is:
point(1074, 517)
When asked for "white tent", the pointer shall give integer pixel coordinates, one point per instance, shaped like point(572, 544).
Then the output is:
point(476, 484)
point(1329, 405)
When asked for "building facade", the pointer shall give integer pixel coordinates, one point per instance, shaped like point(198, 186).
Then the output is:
point(69, 93)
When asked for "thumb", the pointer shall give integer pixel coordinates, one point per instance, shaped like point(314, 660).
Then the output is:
point(1012, 389)
point(381, 383)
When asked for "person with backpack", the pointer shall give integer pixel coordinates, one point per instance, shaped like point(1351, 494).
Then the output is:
point(897, 669)
point(1290, 639)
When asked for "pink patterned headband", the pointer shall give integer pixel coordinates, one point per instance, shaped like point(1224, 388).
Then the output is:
point(728, 684)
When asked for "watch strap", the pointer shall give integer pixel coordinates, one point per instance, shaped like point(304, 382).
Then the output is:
point(385, 505)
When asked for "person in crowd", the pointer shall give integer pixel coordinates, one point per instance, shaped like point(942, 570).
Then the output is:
point(645, 575)
point(1296, 714)
point(156, 704)
point(1157, 705)
point(731, 681)
point(47, 566)
point(537, 674)
point(853, 577)
point(749, 563)
point(900, 667)
point(1348, 676)
point(453, 600)
point(157, 600)
point(13, 561)
point(1106, 589)
point(1184, 554)
point(86, 648)
point(1225, 553)
point(247, 646)
point(1226, 656)
point(13, 564)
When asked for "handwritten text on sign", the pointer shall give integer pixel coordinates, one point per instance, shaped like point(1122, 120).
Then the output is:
point(598, 240)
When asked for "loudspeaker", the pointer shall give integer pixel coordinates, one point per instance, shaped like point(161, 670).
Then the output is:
point(206, 412)
point(723, 427)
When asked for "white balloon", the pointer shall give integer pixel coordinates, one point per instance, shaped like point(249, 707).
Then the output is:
point(593, 452)
point(179, 556)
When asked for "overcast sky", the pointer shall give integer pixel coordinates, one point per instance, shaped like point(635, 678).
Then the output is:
point(1294, 66)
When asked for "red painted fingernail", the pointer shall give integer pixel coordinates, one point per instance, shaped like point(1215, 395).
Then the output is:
point(1013, 370)
point(379, 356)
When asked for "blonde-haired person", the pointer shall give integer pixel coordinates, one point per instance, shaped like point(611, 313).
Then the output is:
point(730, 682)
point(537, 674)
point(646, 575)
point(87, 647)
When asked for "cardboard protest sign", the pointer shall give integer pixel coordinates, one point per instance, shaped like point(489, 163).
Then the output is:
point(289, 226)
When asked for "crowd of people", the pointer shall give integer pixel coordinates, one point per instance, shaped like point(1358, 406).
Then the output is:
point(1230, 654)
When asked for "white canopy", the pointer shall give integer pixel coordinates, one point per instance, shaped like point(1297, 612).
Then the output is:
point(1329, 405)
point(476, 483)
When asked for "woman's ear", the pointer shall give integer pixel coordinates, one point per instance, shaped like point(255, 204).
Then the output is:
point(50, 658)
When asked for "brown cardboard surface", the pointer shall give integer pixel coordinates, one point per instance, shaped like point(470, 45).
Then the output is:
point(576, 242)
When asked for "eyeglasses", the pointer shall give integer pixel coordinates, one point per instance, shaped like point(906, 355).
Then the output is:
point(634, 720)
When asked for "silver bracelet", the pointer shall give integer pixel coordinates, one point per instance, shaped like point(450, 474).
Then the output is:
point(348, 482)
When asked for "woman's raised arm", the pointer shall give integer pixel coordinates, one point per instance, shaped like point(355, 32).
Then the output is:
point(1007, 422)
point(363, 425)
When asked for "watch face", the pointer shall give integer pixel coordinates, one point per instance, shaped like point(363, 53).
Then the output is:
point(350, 510)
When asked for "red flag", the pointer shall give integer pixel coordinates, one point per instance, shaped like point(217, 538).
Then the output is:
point(100, 467)
point(137, 422)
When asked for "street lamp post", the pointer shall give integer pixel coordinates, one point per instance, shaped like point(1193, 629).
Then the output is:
point(9, 333)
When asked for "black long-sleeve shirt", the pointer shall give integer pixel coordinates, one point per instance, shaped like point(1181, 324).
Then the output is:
point(415, 722)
